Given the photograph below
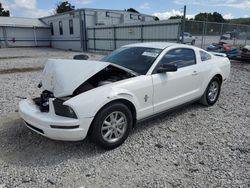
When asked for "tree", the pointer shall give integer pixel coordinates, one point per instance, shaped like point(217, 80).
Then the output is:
point(132, 10)
point(240, 21)
point(156, 18)
point(215, 17)
point(3, 12)
point(218, 17)
point(64, 7)
point(176, 17)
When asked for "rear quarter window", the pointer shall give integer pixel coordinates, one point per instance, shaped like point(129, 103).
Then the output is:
point(205, 56)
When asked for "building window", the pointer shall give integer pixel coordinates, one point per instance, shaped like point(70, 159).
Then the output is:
point(131, 16)
point(51, 28)
point(107, 14)
point(139, 17)
point(71, 28)
point(60, 28)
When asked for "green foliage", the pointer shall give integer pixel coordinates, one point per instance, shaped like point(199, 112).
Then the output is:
point(132, 10)
point(215, 17)
point(64, 7)
point(156, 18)
point(176, 17)
point(3, 12)
point(245, 21)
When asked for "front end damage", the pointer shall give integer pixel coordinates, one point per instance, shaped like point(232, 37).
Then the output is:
point(63, 80)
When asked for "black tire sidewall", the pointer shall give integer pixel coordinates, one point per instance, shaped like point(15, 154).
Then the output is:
point(96, 134)
point(207, 90)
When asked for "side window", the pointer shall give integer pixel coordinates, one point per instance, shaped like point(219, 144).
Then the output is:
point(60, 28)
point(205, 56)
point(51, 28)
point(181, 57)
point(71, 27)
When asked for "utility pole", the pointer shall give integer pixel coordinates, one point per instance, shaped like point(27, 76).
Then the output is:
point(183, 24)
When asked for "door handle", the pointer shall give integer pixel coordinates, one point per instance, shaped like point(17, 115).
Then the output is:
point(195, 73)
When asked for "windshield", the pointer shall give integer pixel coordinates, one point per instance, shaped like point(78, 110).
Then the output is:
point(137, 59)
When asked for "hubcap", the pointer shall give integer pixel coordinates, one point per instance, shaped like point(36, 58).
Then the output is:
point(213, 91)
point(114, 126)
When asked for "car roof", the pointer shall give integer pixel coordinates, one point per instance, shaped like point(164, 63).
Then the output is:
point(159, 45)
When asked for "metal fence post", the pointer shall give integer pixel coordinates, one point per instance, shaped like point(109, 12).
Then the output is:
point(235, 38)
point(247, 30)
point(221, 29)
point(141, 32)
point(114, 30)
point(94, 39)
point(183, 24)
point(179, 33)
point(203, 33)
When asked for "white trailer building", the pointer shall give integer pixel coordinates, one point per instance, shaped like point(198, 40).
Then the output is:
point(69, 30)
point(64, 31)
point(17, 32)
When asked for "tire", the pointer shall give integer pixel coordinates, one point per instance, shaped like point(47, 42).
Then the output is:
point(106, 130)
point(211, 95)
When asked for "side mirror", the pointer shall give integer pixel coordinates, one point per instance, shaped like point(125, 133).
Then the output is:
point(81, 57)
point(166, 68)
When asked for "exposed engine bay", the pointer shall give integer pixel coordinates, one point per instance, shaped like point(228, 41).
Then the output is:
point(108, 75)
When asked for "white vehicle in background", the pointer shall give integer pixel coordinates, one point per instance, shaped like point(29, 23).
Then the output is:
point(188, 38)
point(104, 99)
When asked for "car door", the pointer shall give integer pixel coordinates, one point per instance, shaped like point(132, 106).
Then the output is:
point(174, 88)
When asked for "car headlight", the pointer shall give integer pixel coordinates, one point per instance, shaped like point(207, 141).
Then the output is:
point(63, 110)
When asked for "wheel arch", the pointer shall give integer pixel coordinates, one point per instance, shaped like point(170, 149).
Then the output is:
point(126, 102)
point(218, 76)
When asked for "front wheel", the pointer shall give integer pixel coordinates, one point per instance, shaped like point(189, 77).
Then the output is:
point(112, 125)
point(212, 92)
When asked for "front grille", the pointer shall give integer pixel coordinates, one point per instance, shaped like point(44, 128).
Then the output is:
point(34, 128)
point(43, 100)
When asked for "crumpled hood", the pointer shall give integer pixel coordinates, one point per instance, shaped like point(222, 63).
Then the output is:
point(62, 77)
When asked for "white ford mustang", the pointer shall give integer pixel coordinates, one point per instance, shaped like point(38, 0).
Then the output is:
point(104, 99)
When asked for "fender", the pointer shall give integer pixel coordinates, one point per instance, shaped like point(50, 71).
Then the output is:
point(209, 78)
point(90, 102)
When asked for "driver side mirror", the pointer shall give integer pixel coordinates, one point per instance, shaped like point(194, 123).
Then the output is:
point(167, 68)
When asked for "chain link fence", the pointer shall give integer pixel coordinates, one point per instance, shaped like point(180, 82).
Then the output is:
point(206, 33)
point(198, 33)
point(108, 38)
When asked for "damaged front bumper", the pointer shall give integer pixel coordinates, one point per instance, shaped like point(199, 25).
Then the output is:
point(51, 125)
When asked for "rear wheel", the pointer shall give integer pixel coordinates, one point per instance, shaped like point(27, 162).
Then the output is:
point(112, 125)
point(212, 92)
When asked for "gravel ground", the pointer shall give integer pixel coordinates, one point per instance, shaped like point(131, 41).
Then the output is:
point(192, 147)
point(34, 57)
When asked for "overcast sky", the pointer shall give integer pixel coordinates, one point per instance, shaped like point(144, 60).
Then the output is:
point(161, 8)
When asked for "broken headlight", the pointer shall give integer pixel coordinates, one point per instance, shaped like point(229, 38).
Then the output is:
point(63, 110)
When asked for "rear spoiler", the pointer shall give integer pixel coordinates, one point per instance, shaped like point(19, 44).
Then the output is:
point(219, 54)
